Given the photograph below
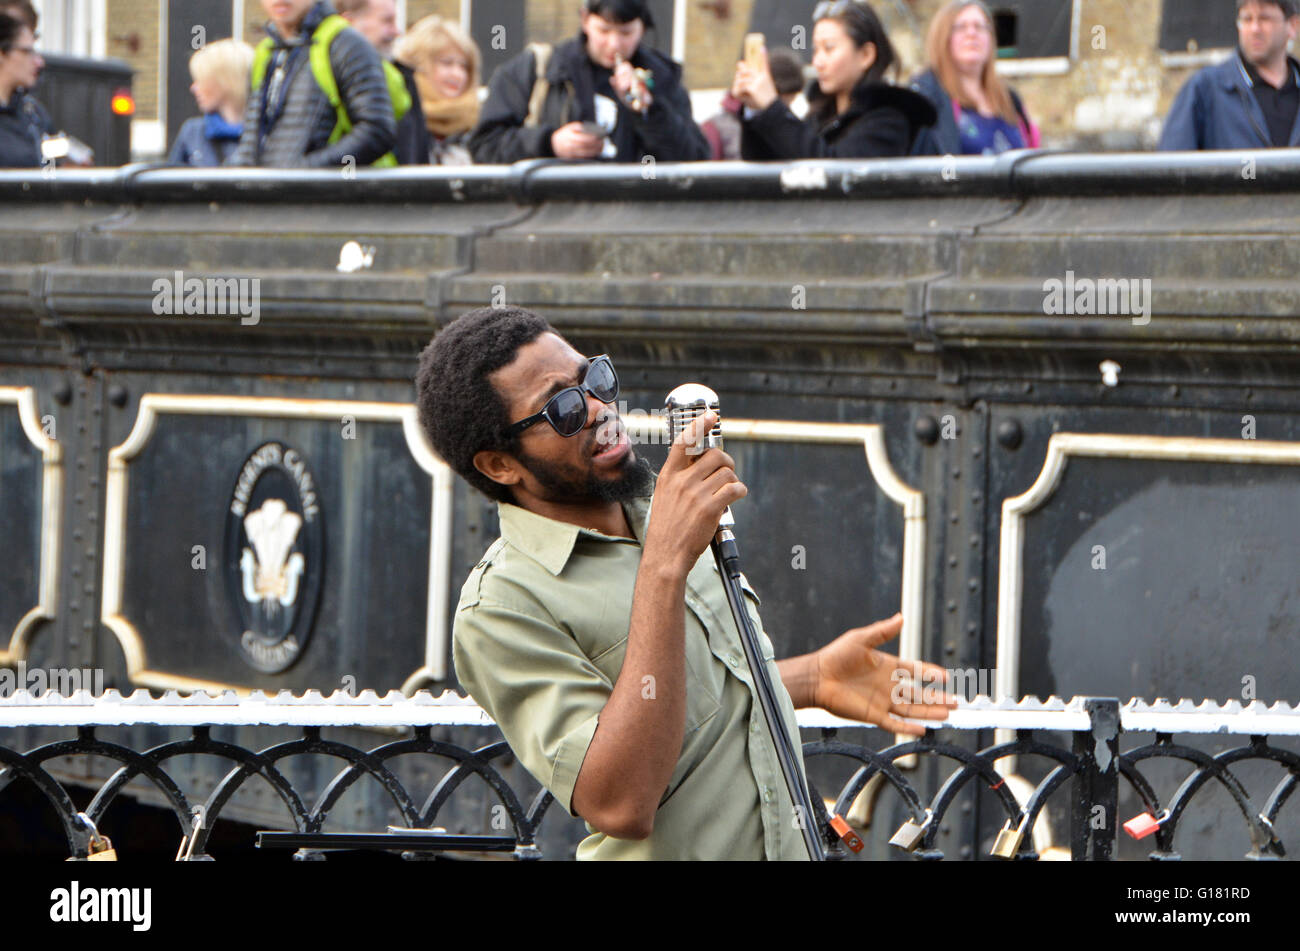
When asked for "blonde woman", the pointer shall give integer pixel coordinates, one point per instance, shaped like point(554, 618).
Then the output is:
point(979, 114)
point(220, 72)
point(446, 64)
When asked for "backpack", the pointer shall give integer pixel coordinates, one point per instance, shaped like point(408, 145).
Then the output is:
point(319, 58)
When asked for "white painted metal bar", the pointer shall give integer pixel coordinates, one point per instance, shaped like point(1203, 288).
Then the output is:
point(449, 709)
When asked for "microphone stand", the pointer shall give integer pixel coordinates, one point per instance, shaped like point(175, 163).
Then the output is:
point(687, 402)
point(809, 820)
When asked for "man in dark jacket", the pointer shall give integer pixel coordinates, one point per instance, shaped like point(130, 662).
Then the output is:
point(376, 20)
point(289, 120)
point(1252, 99)
point(597, 102)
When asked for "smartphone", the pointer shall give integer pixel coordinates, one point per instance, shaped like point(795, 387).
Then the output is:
point(596, 129)
point(755, 44)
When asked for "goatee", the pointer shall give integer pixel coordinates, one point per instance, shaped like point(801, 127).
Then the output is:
point(635, 481)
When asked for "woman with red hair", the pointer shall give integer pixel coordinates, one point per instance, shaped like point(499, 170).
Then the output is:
point(979, 114)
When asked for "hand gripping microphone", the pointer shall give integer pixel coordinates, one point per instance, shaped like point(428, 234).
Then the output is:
point(684, 404)
point(688, 402)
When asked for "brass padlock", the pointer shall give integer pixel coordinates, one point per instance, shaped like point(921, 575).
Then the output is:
point(911, 833)
point(101, 849)
point(1008, 841)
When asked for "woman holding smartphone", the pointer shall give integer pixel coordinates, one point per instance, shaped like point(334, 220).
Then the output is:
point(853, 112)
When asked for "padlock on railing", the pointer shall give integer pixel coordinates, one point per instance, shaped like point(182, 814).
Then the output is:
point(910, 834)
point(1008, 841)
point(186, 852)
point(100, 848)
point(1145, 824)
point(841, 827)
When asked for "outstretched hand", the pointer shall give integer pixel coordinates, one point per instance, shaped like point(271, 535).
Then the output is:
point(858, 682)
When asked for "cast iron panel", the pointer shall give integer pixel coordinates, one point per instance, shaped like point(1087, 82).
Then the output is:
point(374, 514)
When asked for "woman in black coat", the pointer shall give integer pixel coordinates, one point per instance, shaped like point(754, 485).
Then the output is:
point(853, 112)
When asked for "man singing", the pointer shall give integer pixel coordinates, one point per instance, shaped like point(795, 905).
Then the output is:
point(596, 630)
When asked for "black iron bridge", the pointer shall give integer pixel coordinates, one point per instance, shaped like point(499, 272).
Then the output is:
point(1047, 405)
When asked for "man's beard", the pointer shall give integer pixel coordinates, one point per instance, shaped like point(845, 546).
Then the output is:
point(563, 484)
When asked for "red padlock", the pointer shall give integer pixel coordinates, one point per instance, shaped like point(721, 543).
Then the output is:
point(1141, 826)
point(846, 833)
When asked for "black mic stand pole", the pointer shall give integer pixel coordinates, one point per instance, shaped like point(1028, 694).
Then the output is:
point(809, 820)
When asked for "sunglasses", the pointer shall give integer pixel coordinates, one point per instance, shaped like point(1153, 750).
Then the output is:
point(566, 411)
point(832, 8)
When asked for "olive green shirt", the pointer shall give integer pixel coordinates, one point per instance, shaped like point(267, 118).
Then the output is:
point(539, 638)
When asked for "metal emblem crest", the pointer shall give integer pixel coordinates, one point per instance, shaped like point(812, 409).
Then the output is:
point(273, 556)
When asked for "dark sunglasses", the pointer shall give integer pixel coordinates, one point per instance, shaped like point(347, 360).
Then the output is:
point(832, 8)
point(566, 411)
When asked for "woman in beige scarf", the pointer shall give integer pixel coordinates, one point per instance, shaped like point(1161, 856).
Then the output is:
point(446, 63)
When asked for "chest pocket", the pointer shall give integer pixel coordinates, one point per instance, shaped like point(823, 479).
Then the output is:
point(702, 694)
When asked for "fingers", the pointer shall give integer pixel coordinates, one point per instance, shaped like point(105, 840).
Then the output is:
point(922, 693)
point(884, 631)
point(692, 437)
point(723, 486)
point(895, 725)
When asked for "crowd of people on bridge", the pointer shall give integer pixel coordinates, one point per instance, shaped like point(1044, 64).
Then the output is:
point(337, 83)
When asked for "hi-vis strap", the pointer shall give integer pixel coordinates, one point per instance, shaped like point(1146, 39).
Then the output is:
point(323, 72)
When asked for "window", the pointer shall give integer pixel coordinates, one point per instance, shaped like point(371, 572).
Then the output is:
point(1189, 27)
point(1032, 29)
point(72, 27)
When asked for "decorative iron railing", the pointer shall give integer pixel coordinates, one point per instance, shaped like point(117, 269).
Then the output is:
point(1093, 760)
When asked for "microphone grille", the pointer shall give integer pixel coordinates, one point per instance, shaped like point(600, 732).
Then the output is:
point(687, 402)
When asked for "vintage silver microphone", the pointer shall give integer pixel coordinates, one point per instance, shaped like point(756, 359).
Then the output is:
point(689, 402)
point(684, 404)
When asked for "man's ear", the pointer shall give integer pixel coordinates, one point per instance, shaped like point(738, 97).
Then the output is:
point(500, 467)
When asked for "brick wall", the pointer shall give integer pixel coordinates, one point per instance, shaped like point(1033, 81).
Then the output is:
point(1114, 95)
point(419, 9)
point(552, 21)
point(134, 23)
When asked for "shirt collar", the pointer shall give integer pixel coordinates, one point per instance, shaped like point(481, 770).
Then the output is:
point(1252, 77)
point(549, 542)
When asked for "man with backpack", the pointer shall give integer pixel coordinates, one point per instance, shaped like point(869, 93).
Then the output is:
point(376, 20)
point(602, 95)
point(319, 95)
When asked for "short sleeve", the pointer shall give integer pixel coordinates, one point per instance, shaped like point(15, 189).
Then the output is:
point(531, 677)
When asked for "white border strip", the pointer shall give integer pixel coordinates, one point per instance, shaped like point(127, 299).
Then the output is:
point(24, 397)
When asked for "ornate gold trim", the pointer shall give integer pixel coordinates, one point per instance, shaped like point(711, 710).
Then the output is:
point(152, 405)
point(1060, 447)
point(24, 397)
point(871, 436)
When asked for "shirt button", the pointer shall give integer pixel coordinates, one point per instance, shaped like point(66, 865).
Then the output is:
point(767, 794)
point(733, 660)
